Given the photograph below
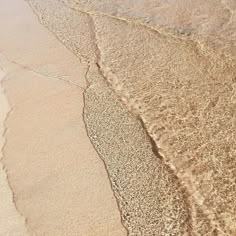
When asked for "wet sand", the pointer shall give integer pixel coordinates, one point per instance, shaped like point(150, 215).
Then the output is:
point(59, 183)
point(158, 80)
point(11, 222)
point(172, 64)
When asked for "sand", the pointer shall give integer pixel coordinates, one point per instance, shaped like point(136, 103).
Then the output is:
point(58, 181)
point(151, 199)
point(155, 81)
point(172, 64)
point(11, 222)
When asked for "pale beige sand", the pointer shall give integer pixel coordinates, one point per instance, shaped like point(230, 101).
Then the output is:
point(177, 73)
point(11, 223)
point(59, 183)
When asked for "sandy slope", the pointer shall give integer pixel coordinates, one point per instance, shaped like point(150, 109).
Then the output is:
point(60, 185)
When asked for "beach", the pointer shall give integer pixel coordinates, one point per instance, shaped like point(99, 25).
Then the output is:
point(56, 183)
point(118, 117)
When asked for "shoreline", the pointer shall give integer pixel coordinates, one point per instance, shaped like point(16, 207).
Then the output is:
point(48, 154)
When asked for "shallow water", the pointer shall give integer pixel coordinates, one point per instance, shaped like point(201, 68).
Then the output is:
point(150, 198)
point(172, 63)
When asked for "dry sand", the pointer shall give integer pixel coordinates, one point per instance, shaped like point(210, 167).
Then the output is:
point(59, 183)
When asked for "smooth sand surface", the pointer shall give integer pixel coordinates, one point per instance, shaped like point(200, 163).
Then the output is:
point(11, 223)
point(59, 183)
